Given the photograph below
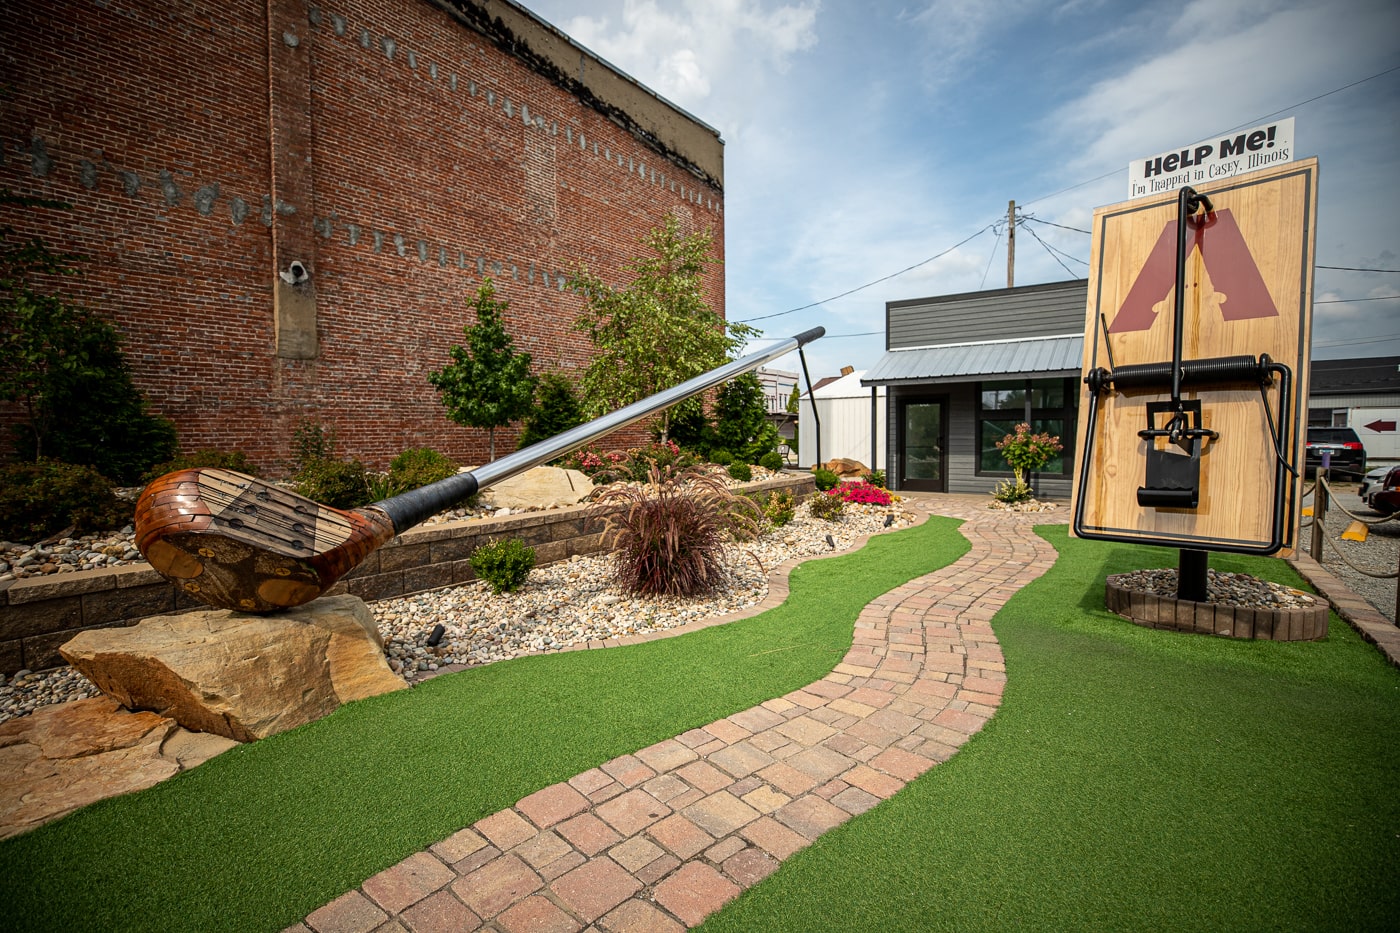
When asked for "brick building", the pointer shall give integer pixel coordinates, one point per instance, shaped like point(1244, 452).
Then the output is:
point(286, 205)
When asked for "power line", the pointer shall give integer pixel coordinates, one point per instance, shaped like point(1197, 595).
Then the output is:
point(1031, 231)
point(764, 317)
point(1032, 217)
point(995, 243)
point(1355, 269)
point(1342, 301)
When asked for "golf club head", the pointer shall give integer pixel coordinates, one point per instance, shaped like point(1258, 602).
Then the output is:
point(236, 542)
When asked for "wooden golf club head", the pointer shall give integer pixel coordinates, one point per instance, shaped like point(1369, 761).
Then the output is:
point(236, 542)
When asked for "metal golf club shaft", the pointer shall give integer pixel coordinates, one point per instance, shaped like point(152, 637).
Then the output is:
point(235, 542)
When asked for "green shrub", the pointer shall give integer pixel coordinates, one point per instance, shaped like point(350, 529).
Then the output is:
point(825, 479)
point(663, 454)
point(39, 498)
point(336, 483)
point(235, 460)
point(740, 471)
point(721, 456)
point(1012, 492)
point(312, 441)
point(557, 409)
point(875, 478)
point(771, 461)
point(504, 564)
point(826, 507)
point(741, 419)
point(671, 532)
point(780, 508)
point(419, 466)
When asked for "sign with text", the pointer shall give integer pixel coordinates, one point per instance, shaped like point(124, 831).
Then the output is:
point(1212, 159)
point(1247, 277)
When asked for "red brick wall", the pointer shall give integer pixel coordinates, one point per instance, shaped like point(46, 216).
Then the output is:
point(427, 168)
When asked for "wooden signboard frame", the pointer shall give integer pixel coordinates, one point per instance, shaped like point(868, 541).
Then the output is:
point(1248, 276)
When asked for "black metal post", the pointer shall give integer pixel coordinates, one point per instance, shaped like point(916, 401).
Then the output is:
point(1191, 575)
point(811, 397)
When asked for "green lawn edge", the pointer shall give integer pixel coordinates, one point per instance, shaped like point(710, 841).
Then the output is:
point(260, 836)
point(1131, 780)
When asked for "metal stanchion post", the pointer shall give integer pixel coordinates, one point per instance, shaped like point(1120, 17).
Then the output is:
point(1319, 522)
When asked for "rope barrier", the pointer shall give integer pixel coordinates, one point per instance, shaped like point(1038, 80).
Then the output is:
point(1337, 549)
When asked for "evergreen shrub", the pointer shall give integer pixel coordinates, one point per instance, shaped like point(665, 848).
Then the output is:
point(503, 564)
point(39, 498)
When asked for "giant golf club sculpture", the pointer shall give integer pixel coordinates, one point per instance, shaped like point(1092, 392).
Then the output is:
point(235, 542)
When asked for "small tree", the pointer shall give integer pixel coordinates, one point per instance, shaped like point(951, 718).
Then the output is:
point(657, 331)
point(793, 400)
point(1025, 452)
point(487, 384)
point(556, 410)
point(741, 420)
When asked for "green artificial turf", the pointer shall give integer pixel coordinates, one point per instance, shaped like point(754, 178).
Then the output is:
point(1131, 780)
point(260, 836)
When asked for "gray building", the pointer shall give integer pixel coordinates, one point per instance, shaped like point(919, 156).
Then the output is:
point(963, 370)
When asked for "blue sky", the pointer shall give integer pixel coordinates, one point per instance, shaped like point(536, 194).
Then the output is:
point(864, 137)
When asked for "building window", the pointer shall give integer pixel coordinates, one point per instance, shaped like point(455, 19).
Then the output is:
point(1047, 405)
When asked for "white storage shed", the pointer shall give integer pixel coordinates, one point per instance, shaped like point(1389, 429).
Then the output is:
point(843, 407)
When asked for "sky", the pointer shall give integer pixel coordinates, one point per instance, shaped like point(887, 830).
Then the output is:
point(864, 138)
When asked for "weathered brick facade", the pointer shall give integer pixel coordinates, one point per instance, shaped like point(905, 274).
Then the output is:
point(399, 150)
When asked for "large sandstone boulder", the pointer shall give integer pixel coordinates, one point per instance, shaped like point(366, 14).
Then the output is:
point(847, 469)
point(66, 756)
point(542, 488)
point(236, 674)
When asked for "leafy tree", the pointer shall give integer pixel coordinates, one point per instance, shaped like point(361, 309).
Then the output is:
point(487, 384)
point(741, 420)
point(64, 366)
point(657, 331)
point(793, 399)
point(556, 410)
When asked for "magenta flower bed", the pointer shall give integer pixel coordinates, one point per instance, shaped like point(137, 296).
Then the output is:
point(861, 492)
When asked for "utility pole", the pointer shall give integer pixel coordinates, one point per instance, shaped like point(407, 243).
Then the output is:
point(1010, 244)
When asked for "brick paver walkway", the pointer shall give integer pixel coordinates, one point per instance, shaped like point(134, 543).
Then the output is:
point(659, 839)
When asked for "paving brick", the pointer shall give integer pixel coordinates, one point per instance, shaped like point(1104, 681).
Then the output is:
point(740, 759)
point(900, 763)
point(637, 916)
point(855, 801)
point(666, 787)
point(440, 913)
point(459, 845)
point(543, 849)
point(408, 882)
point(352, 912)
point(665, 756)
point(773, 837)
point(636, 853)
point(506, 829)
point(765, 799)
point(588, 834)
point(680, 836)
point(811, 816)
point(728, 845)
point(749, 867)
point(553, 804)
point(632, 812)
point(537, 914)
point(694, 892)
point(873, 782)
point(595, 888)
point(721, 813)
point(628, 770)
point(496, 885)
point(821, 763)
point(806, 730)
point(657, 869)
point(704, 776)
point(589, 781)
point(788, 779)
point(757, 719)
point(727, 731)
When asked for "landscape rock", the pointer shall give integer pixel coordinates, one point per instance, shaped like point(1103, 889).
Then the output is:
point(69, 755)
point(847, 469)
point(540, 488)
point(240, 675)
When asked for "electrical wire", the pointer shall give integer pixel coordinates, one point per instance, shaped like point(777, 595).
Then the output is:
point(995, 243)
point(1355, 269)
point(1036, 219)
point(1031, 231)
point(764, 317)
point(1343, 301)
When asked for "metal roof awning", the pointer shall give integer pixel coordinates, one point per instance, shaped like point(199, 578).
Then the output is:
point(1035, 356)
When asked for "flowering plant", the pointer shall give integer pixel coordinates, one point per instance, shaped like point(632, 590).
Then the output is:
point(863, 493)
point(1025, 451)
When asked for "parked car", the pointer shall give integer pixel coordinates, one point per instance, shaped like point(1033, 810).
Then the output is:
point(1383, 495)
point(1372, 480)
point(1348, 453)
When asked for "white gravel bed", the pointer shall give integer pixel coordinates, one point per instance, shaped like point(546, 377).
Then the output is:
point(561, 604)
point(574, 602)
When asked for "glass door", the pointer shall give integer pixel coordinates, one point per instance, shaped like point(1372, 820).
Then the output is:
point(922, 441)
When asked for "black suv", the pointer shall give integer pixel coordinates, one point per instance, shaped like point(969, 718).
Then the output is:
point(1348, 453)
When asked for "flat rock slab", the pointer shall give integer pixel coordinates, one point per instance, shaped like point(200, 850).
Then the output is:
point(240, 675)
point(69, 755)
point(542, 487)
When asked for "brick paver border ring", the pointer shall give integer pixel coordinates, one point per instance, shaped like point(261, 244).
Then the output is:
point(660, 839)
